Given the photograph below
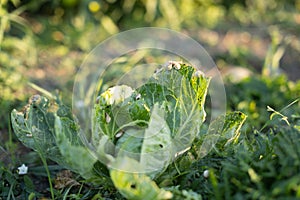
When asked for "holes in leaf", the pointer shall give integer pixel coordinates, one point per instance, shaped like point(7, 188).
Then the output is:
point(255, 96)
point(138, 97)
point(119, 134)
point(133, 186)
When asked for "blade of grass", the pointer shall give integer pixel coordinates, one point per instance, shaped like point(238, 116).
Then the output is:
point(48, 173)
point(41, 90)
point(284, 108)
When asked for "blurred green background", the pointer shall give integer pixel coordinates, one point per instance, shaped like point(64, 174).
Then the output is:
point(254, 43)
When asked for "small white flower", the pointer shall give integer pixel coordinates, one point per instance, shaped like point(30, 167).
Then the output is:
point(23, 169)
point(206, 173)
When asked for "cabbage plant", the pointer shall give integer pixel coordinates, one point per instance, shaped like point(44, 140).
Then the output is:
point(136, 132)
point(152, 124)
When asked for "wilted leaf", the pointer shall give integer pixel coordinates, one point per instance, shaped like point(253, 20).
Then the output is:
point(34, 126)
